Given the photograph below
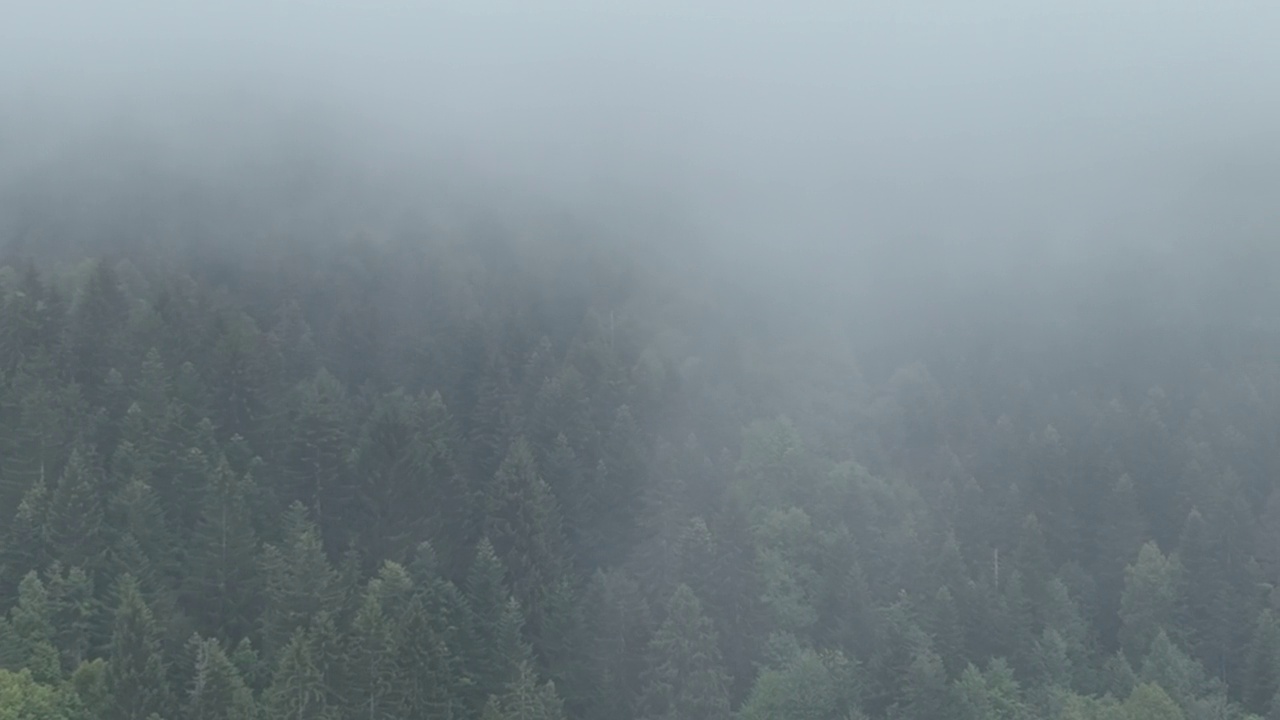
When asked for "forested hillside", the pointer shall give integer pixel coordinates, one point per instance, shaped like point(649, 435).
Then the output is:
point(464, 474)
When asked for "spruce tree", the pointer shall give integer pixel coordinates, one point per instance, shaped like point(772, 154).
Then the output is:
point(297, 688)
point(221, 580)
point(136, 674)
point(298, 581)
point(1150, 601)
point(525, 699)
point(217, 691)
point(523, 524)
point(684, 675)
point(76, 532)
point(32, 632)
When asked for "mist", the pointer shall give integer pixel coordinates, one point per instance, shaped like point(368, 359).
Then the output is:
point(640, 360)
point(817, 135)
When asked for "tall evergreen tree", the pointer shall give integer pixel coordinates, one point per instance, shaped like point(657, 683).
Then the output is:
point(298, 581)
point(684, 675)
point(1150, 601)
point(221, 582)
point(1262, 663)
point(297, 688)
point(525, 699)
point(523, 523)
point(32, 632)
point(217, 691)
point(76, 533)
point(136, 674)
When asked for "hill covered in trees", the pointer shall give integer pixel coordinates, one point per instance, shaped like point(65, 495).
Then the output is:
point(478, 471)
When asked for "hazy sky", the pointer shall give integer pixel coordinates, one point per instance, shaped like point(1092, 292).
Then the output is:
point(831, 127)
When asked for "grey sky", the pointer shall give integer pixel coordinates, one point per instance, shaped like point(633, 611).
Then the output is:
point(831, 128)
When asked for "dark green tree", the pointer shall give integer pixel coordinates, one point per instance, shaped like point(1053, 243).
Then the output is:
point(136, 674)
point(297, 688)
point(217, 691)
point(298, 581)
point(522, 521)
point(221, 582)
point(684, 675)
point(76, 532)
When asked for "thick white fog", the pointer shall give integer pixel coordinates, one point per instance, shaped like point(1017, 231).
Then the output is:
point(846, 137)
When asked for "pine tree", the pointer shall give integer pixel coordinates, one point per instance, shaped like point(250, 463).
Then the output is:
point(97, 337)
point(1122, 529)
point(617, 625)
point(391, 491)
point(316, 440)
point(1150, 600)
point(136, 674)
point(217, 691)
point(298, 581)
point(221, 580)
point(684, 675)
point(456, 506)
point(26, 547)
point(1262, 663)
point(75, 612)
point(525, 699)
point(1150, 702)
point(1179, 674)
point(926, 695)
point(144, 546)
point(370, 652)
point(297, 688)
point(76, 514)
point(523, 524)
point(990, 695)
point(32, 632)
point(426, 681)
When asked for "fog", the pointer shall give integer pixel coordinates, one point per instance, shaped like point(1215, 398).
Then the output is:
point(900, 147)
point(654, 360)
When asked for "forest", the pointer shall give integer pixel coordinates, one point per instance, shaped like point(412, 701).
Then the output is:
point(479, 473)
point(665, 361)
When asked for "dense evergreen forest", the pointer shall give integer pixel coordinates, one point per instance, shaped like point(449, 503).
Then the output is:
point(298, 446)
point(465, 474)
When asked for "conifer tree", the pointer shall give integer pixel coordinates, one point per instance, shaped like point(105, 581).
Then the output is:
point(1262, 663)
point(217, 691)
point(298, 581)
point(27, 545)
point(76, 614)
point(523, 524)
point(297, 688)
point(32, 632)
point(684, 675)
point(617, 625)
point(525, 699)
point(136, 674)
point(76, 514)
point(1150, 601)
point(221, 580)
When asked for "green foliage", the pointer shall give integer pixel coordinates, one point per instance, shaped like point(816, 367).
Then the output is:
point(31, 632)
point(217, 691)
point(298, 581)
point(221, 579)
point(809, 686)
point(444, 486)
point(1150, 702)
point(522, 521)
point(136, 672)
point(524, 699)
point(297, 688)
point(684, 675)
point(1150, 600)
point(23, 698)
